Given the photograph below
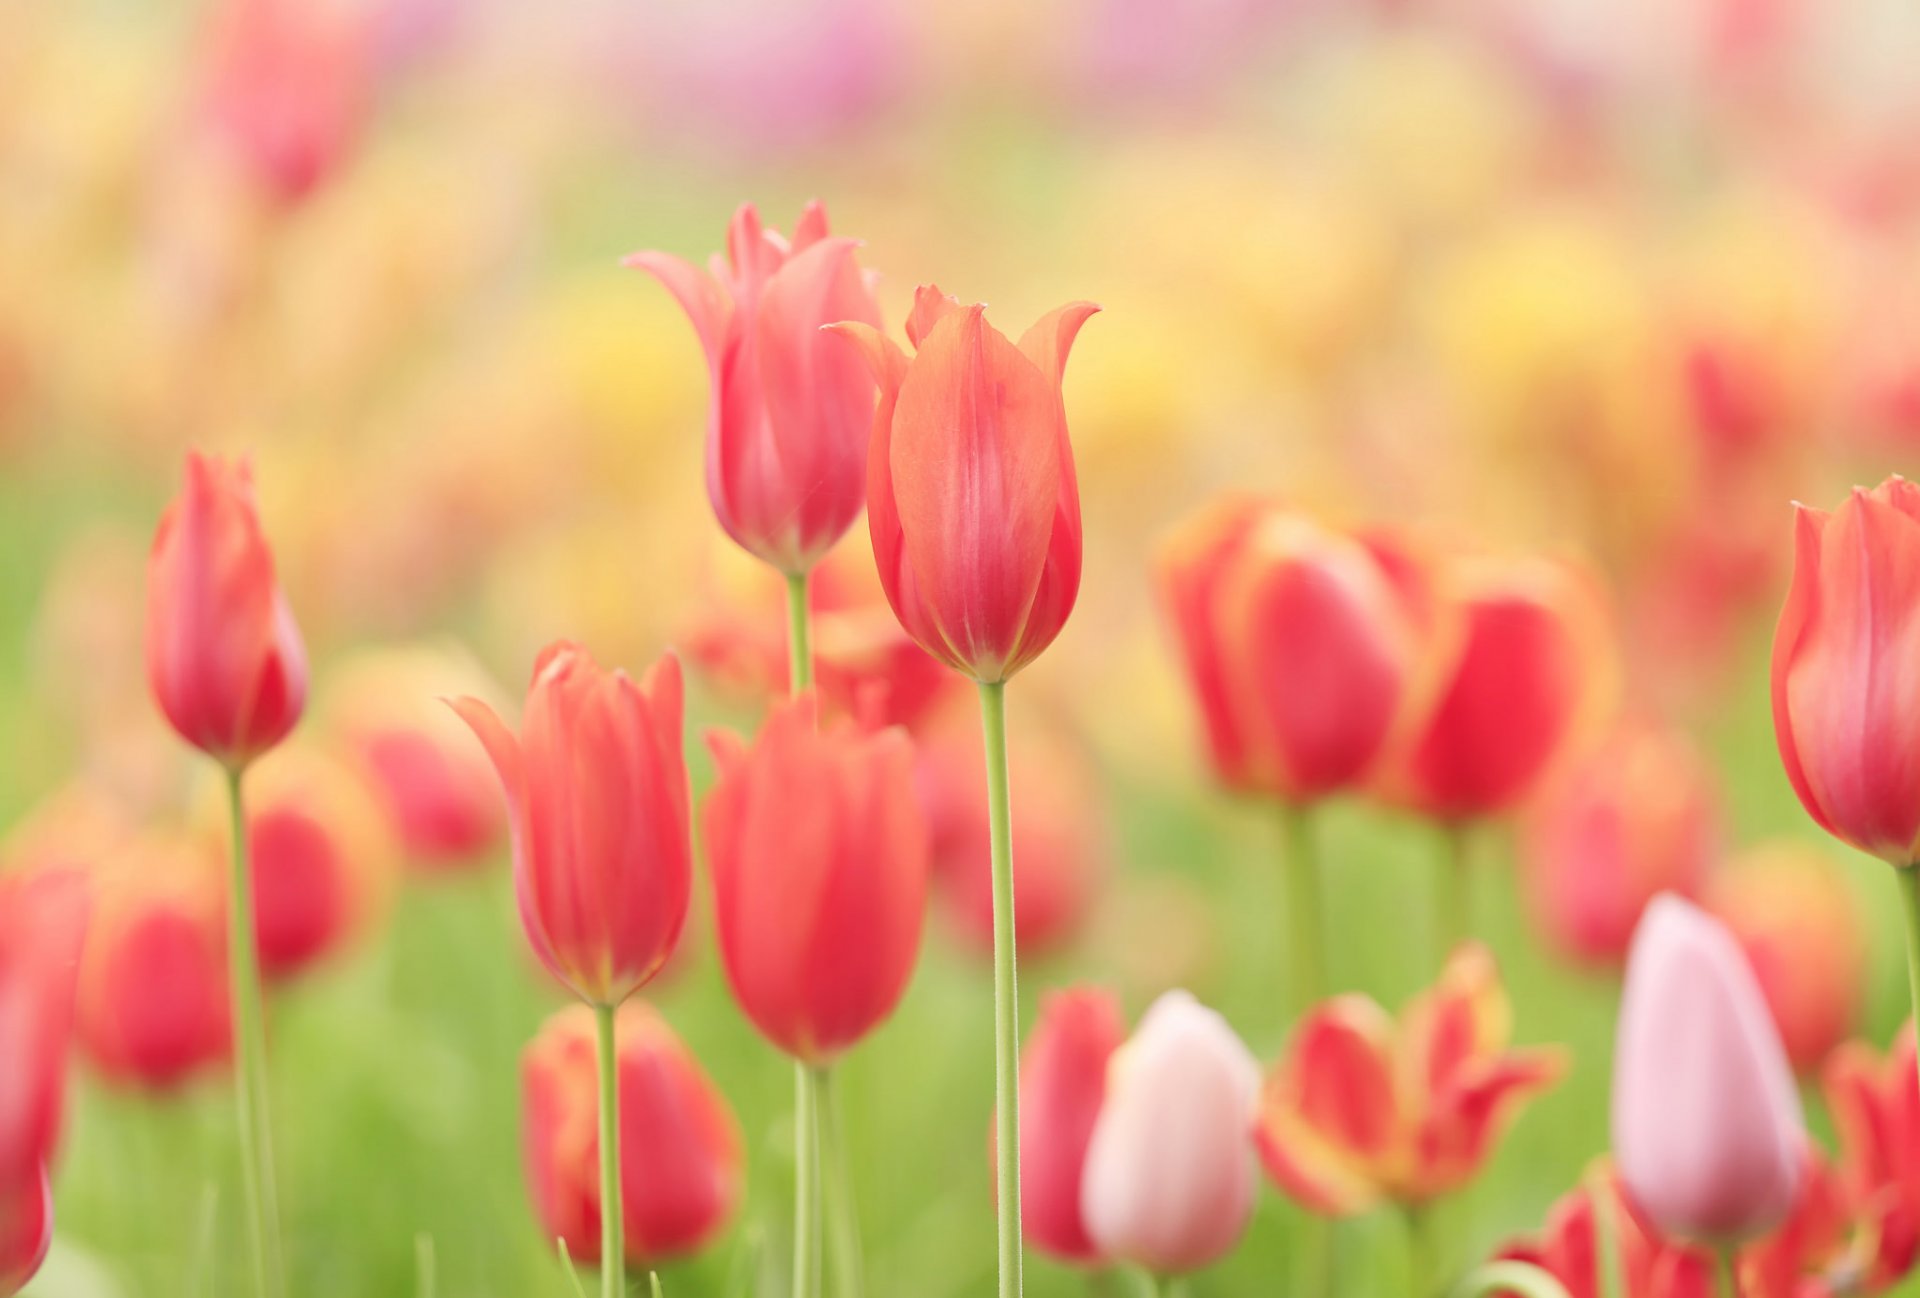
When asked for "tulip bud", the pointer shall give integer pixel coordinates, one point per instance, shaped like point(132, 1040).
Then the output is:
point(1063, 1084)
point(971, 499)
point(819, 860)
point(1170, 1177)
point(596, 787)
point(791, 409)
point(224, 658)
point(1841, 714)
point(1637, 817)
point(681, 1154)
point(1707, 1130)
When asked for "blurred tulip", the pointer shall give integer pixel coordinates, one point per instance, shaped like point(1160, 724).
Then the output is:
point(1791, 910)
point(597, 794)
point(1568, 1249)
point(1842, 709)
point(1875, 1103)
point(1707, 1130)
point(819, 859)
point(1295, 641)
point(152, 1001)
point(1638, 816)
point(681, 1154)
point(1063, 1084)
point(1170, 1178)
point(43, 917)
point(1359, 1109)
point(791, 409)
point(224, 658)
point(26, 1231)
point(971, 497)
point(437, 786)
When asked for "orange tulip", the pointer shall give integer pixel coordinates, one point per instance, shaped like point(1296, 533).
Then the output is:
point(224, 658)
point(971, 497)
point(819, 859)
point(790, 410)
point(596, 787)
point(1637, 817)
point(1297, 643)
point(1843, 703)
point(1361, 1109)
point(681, 1153)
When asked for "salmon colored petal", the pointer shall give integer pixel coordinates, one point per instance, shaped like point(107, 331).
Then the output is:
point(1048, 340)
point(811, 228)
point(704, 301)
point(930, 307)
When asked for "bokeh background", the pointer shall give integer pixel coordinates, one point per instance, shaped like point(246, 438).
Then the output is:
point(1613, 281)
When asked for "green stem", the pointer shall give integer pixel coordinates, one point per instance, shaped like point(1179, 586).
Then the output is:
point(806, 1182)
point(1455, 888)
point(1910, 893)
point(1506, 1278)
point(1421, 1279)
point(1006, 1005)
point(1176, 1287)
point(1606, 1238)
point(613, 1251)
point(250, 1060)
point(799, 635)
point(843, 1217)
point(1728, 1272)
point(1305, 909)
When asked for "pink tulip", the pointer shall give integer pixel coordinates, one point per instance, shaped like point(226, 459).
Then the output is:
point(1063, 1085)
point(1707, 1130)
point(1170, 1174)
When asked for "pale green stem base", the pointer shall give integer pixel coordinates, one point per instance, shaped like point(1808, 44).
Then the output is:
point(1909, 881)
point(1728, 1272)
point(250, 1060)
point(1606, 1239)
point(613, 1248)
point(1455, 888)
point(1006, 1003)
point(1306, 915)
point(843, 1218)
point(799, 635)
point(806, 1182)
point(1422, 1265)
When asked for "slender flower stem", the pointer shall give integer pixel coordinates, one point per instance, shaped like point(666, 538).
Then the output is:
point(1006, 1003)
point(1606, 1238)
point(613, 1250)
point(799, 635)
point(1421, 1279)
point(843, 1222)
point(1729, 1272)
point(806, 1182)
point(1305, 909)
point(250, 1060)
point(1176, 1287)
point(1455, 889)
point(1910, 893)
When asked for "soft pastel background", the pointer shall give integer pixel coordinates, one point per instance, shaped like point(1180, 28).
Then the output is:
point(1612, 280)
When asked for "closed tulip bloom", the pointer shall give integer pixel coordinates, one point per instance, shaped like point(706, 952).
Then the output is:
point(1063, 1086)
point(43, 916)
point(819, 859)
point(597, 796)
point(1298, 646)
point(1170, 1178)
point(1638, 816)
point(681, 1153)
point(791, 409)
point(971, 497)
point(1707, 1131)
point(1361, 1109)
point(1843, 685)
point(224, 658)
point(26, 1231)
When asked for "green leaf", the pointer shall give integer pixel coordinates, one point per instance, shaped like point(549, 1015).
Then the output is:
point(1523, 1278)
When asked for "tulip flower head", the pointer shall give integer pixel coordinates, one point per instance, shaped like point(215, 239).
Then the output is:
point(819, 857)
point(1707, 1131)
point(971, 497)
point(791, 409)
point(1568, 1248)
point(681, 1152)
point(26, 1231)
point(1361, 1109)
point(43, 917)
point(1875, 1102)
point(597, 796)
point(1170, 1178)
point(1063, 1086)
point(224, 658)
point(1843, 710)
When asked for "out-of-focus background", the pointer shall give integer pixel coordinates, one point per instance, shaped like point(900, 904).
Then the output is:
point(1609, 280)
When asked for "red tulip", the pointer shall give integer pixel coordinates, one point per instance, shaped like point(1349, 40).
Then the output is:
point(1649, 1267)
point(224, 658)
point(1637, 817)
point(152, 1004)
point(1875, 1103)
point(43, 916)
point(790, 412)
point(1843, 706)
point(1360, 1110)
point(26, 1231)
point(1063, 1082)
point(1297, 643)
point(971, 497)
point(819, 860)
point(681, 1153)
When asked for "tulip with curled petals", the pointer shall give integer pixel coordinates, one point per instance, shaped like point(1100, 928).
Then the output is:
point(1874, 1099)
point(791, 408)
point(597, 795)
point(1361, 1109)
point(682, 1157)
point(1568, 1247)
point(1707, 1131)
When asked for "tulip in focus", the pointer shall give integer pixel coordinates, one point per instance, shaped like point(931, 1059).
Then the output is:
point(1361, 1110)
point(1707, 1131)
point(224, 658)
point(682, 1157)
point(1638, 816)
point(818, 851)
point(791, 408)
point(596, 787)
point(1063, 1086)
point(1170, 1178)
